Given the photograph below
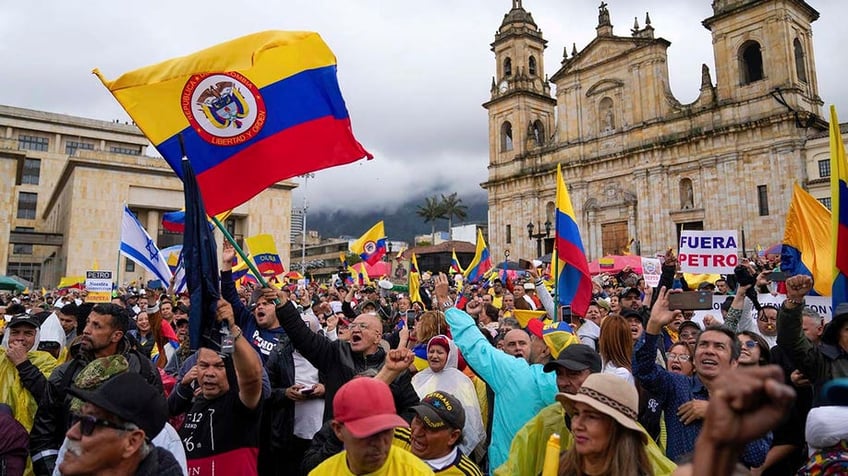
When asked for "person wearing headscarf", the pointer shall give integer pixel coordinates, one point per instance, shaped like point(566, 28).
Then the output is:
point(443, 374)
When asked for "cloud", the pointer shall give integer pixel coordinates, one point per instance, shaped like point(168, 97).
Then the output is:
point(414, 74)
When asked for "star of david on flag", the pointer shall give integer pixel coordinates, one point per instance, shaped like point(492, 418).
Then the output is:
point(137, 245)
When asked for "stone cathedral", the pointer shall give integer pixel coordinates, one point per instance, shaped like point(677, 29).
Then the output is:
point(639, 164)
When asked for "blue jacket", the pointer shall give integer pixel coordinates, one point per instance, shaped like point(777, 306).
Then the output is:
point(521, 389)
point(674, 390)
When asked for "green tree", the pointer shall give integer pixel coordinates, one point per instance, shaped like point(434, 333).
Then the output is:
point(452, 207)
point(431, 211)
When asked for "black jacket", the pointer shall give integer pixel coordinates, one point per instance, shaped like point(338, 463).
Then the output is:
point(160, 462)
point(338, 362)
point(279, 410)
point(52, 419)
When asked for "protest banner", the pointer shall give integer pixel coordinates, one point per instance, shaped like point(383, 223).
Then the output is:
point(651, 270)
point(708, 252)
point(820, 304)
point(99, 286)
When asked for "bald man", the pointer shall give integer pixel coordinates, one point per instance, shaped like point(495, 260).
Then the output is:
point(340, 361)
point(517, 344)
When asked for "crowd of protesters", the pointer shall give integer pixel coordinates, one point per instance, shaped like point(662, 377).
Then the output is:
point(336, 378)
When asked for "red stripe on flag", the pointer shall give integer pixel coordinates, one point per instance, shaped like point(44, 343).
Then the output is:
point(307, 147)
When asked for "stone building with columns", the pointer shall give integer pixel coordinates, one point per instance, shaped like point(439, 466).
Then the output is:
point(66, 182)
point(639, 164)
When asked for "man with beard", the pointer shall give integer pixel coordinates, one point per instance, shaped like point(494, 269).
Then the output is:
point(684, 398)
point(261, 328)
point(104, 335)
point(340, 360)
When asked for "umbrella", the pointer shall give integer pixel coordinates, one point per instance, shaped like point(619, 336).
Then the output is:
point(9, 284)
point(614, 264)
point(293, 275)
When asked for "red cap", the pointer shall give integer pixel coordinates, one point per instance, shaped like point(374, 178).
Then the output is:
point(366, 407)
point(534, 326)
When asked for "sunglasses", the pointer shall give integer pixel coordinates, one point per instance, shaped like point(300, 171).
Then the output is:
point(679, 357)
point(88, 423)
point(750, 344)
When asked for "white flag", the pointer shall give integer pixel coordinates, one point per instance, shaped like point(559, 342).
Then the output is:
point(137, 246)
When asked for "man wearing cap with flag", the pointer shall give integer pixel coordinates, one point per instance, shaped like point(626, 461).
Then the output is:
point(436, 433)
point(364, 419)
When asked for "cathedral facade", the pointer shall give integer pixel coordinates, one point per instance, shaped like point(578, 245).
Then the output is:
point(639, 165)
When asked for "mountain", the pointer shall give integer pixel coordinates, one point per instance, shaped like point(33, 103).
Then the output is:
point(402, 224)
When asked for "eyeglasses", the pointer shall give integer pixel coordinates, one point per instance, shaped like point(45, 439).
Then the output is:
point(88, 423)
point(687, 335)
point(750, 344)
point(679, 357)
point(767, 319)
point(358, 325)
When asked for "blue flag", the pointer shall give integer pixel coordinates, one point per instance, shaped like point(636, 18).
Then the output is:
point(201, 267)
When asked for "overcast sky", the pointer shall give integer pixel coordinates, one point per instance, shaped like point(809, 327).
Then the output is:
point(413, 73)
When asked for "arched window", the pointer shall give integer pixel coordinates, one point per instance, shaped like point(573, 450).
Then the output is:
point(800, 64)
point(506, 136)
point(537, 131)
point(550, 210)
point(750, 62)
point(606, 114)
point(507, 67)
point(687, 194)
point(532, 66)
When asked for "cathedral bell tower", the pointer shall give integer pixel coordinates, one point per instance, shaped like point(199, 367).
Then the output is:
point(521, 109)
point(765, 48)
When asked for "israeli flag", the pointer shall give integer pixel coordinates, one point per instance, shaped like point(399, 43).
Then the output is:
point(137, 246)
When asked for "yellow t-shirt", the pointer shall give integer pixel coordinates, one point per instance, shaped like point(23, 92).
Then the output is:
point(399, 462)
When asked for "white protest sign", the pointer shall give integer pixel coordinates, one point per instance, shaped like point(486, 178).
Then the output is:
point(99, 286)
point(708, 252)
point(820, 304)
point(651, 270)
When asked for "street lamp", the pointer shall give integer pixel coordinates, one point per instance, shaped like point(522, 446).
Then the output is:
point(305, 178)
point(389, 260)
point(539, 236)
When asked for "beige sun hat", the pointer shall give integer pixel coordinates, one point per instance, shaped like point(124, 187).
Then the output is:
point(610, 395)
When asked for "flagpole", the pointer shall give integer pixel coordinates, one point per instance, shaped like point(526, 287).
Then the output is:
point(118, 267)
point(555, 259)
point(240, 252)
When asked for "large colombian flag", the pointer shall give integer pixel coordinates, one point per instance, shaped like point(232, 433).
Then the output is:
point(573, 281)
point(250, 112)
point(806, 241)
point(839, 210)
point(481, 263)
